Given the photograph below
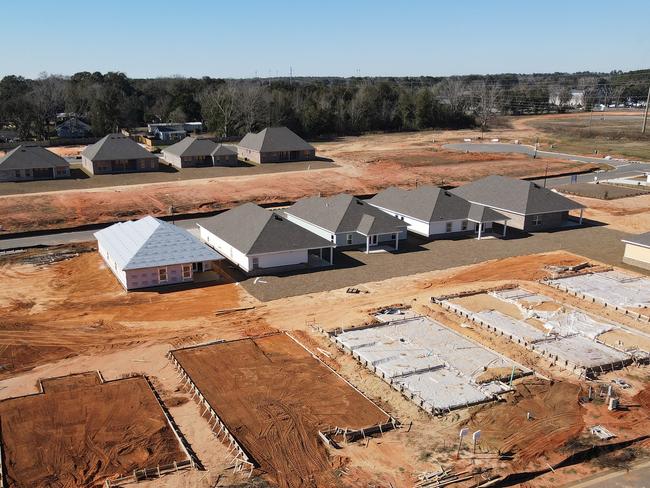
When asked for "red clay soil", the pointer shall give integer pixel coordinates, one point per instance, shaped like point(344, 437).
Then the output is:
point(274, 397)
point(359, 172)
point(80, 432)
point(557, 417)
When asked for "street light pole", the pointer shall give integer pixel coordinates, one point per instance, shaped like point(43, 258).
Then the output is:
point(645, 112)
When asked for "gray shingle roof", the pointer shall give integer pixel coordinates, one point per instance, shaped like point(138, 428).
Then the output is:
point(482, 214)
point(640, 240)
point(224, 150)
point(149, 242)
point(31, 157)
point(115, 146)
point(273, 139)
point(518, 196)
point(191, 146)
point(345, 213)
point(254, 230)
point(426, 203)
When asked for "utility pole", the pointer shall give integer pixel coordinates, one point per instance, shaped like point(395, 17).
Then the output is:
point(645, 112)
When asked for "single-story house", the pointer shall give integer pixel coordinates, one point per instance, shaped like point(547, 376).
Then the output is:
point(637, 251)
point(347, 221)
point(431, 211)
point(117, 153)
point(26, 163)
point(73, 128)
point(274, 145)
point(149, 252)
point(258, 240)
point(529, 206)
point(173, 131)
point(193, 152)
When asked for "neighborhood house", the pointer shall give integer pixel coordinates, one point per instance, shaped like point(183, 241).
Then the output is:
point(529, 206)
point(431, 211)
point(257, 240)
point(637, 251)
point(149, 252)
point(193, 152)
point(26, 163)
point(274, 145)
point(116, 153)
point(347, 221)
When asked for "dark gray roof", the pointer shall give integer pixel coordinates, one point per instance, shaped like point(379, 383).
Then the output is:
point(482, 214)
point(640, 240)
point(254, 230)
point(273, 139)
point(191, 146)
point(224, 150)
point(115, 146)
point(345, 213)
point(31, 157)
point(426, 203)
point(75, 123)
point(513, 195)
point(149, 242)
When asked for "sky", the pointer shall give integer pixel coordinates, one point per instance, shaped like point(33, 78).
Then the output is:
point(246, 38)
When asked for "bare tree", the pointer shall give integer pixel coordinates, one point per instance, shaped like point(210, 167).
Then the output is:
point(454, 92)
point(219, 108)
point(47, 98)
point(251, 106)
point(485, 98)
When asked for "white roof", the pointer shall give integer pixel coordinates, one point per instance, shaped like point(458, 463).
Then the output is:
point(149, 242)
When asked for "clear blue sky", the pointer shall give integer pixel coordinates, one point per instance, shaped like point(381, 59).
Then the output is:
point(241, 38)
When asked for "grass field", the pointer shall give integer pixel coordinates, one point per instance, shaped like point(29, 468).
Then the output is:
point(616, 134)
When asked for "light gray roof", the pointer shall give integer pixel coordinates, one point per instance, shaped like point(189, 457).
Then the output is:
point(115, 146)
point(31, 157)
point(642, 240)
point(224, 150)
point(75, 123)
point(149, 242)
point(273, 139)
point(254, 230)
point(345, 213)
point(191, 146)
point(518, 196)
point(426, 203)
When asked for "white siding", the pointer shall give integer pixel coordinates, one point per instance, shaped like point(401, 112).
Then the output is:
point(226, 250)
point(288, 258)
point(325, 234)
point(172, 159)
point(119, 273)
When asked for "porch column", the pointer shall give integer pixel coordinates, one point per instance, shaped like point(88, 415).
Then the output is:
point(367, 244)
point(582, 210)
point(397, 241)
point(480, 230)
point(331, 255)
point(505, 226)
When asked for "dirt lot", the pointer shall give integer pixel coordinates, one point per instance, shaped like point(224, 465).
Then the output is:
point(365, 165)
point(81, 431)
point(76, 309)
point(627, 214)
point(81, 181)
point(275, 397)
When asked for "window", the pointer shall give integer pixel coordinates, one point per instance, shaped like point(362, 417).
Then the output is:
point(448, 227)
point(256, 263)
point(162, 275)
point(537, 220)
point(17, 173)
point(187, 271)
point(348, 239)
point(464, 225)
point(332, 238)
point(393, 236)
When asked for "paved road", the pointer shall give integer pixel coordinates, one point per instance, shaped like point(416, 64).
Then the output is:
point(638, 477)
point(622, 168)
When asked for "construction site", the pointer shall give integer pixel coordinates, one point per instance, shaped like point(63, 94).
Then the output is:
point(80, 430)
point(278, 407)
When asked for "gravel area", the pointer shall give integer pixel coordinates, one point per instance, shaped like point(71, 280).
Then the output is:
point(419, 255)
point(602, 191)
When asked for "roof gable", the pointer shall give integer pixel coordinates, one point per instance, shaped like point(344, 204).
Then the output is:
point(345, 213)
point(31, 157)
point(191, 146)
point(275, 139)
point(115, 146)
point(253, 230)
point(426, 203)
point(224, 150)
point(150, 242)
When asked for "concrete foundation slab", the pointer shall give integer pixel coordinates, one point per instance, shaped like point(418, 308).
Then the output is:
point(614, 287)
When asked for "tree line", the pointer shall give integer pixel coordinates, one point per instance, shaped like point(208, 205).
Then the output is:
point(313, 107)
